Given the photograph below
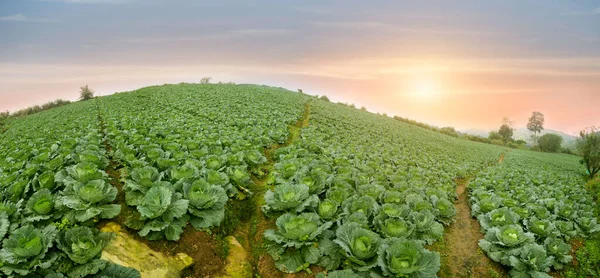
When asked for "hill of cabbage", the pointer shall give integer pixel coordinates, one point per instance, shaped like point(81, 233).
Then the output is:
point(304, 185)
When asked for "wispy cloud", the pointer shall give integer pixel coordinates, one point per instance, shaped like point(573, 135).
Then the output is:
point(352, 24)
point(89, 1)
point(590, 39)
point(595, 11)
point(379, 25)
point(229, 34)
point(23, 18)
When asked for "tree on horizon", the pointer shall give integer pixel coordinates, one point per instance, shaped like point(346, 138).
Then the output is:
point(536, 125)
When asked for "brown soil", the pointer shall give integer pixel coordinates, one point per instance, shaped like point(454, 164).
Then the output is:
point(501, 158)
point(575, 245)
point(206, 250)
point(250, 232)
point(460, 253)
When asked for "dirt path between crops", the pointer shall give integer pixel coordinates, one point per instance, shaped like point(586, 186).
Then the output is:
point(249, 232)
point(460, 254)
point(459, 250)
point(207, 250)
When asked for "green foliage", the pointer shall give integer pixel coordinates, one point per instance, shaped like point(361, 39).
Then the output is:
point(588, 144)
point(85, 93)
point(297, 230)
point(84, 201)
point(449, 131)
point(162, 213)
point(536, 124)
point(353, 190)
point(26, 250)
point(202, 154)
point(32, 110)
point(82, 244)
point(401, 257)
point(359, 244)
point(368, 182)
point(494, 135)
point(506, 133)
point(205, 80)
point(529, 207)
point(550, 142)
point(117, 271)
point(289, 196)
point(53, 183)
point(206, 203)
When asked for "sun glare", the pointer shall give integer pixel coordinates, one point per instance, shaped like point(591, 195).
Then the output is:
point(424, 90)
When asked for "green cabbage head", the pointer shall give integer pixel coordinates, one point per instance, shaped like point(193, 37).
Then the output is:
point(399, 257)
point(26, 250)
point(82, 244)
point(359, 244)
point(297, 230)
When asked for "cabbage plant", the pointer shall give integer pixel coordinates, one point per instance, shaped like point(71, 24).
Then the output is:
point(498, 218)
point(399, 257)
point(289, 197)
point(346, 273)
point(559, 250)
point(532, 261)
point(359, 244)
point(139, 182)
point(297, 230)
point(500, 243)
point(426, 227)
point(206, 203)
point(83, 201)
point(40, 206)
point(588, 226)
point(541, 227)
point(27, 250)
point(366, 205)
point(162, 213)
point(328, 209)
point(392, 221)
point(444, 210)
point(83, 246)
point(82, 172)
point(317, 181)
point(45, 180)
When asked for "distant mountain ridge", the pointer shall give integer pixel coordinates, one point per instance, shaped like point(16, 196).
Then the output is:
point(525, 135)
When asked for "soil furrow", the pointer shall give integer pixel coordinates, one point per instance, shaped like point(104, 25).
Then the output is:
point(249, 232)
point(459, 249)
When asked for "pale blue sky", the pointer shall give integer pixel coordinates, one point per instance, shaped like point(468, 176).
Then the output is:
point(355, 51)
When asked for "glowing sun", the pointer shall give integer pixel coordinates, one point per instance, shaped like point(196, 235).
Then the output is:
point(424, 89)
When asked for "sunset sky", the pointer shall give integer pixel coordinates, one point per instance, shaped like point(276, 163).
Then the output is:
point(465, 64)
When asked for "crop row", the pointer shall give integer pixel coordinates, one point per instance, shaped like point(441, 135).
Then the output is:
point(529, 208)
point(365, 193)
point(54, 189)
point(188, 149)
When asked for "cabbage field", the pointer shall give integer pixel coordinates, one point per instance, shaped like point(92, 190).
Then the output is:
point(306, 187)
point(529, 208)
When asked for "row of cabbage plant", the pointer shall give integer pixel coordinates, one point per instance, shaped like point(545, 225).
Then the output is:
point(365, 193)
point(187, 149)
point(529, 208)
point(54, 190)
